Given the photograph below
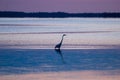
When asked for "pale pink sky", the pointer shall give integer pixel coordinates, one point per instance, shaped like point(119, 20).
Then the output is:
point(60, 5)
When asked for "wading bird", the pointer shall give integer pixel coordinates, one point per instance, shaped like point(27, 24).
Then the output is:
point(57, 47)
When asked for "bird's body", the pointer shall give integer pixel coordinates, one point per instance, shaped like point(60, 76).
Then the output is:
point(57, 47)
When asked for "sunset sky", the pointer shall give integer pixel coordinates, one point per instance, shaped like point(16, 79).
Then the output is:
point(72, 6)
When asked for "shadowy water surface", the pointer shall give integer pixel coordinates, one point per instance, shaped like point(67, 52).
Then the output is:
point(19, 61)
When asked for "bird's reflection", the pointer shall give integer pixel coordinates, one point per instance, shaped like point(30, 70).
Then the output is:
point(58, 51)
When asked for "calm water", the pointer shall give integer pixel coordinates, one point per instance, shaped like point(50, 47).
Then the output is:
point(36, 33)
point(27, 44)
point(19, 61)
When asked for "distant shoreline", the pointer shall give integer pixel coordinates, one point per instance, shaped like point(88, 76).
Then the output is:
point(12, 14)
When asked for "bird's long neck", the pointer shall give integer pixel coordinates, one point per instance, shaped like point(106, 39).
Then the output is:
point(61, 40)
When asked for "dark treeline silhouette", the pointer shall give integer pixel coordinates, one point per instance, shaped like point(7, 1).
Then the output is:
point(57, 14)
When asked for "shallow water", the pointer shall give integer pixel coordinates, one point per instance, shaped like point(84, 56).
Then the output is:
point(21, 61)
point(82, 33)
point(90, 51)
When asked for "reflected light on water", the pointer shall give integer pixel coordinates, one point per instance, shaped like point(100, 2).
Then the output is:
point(46, 33)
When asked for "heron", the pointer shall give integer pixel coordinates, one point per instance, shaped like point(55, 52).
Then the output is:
point(57, 47)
